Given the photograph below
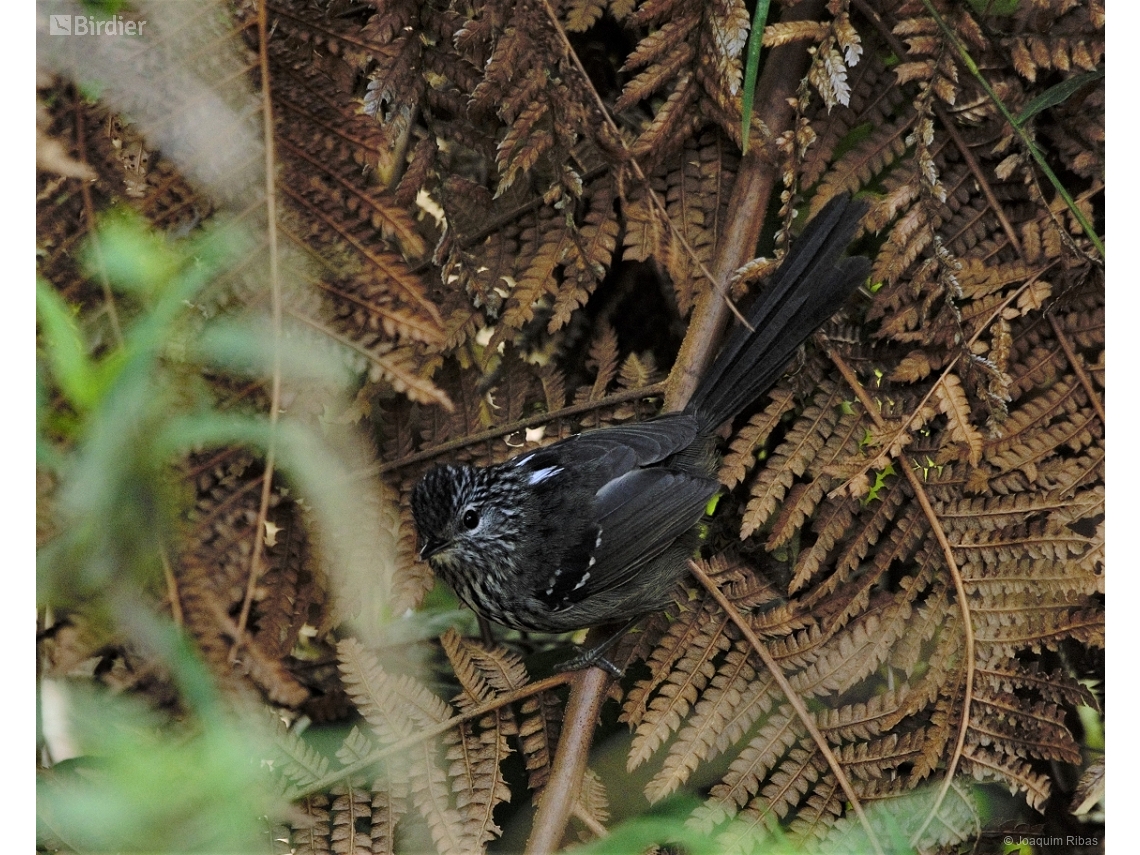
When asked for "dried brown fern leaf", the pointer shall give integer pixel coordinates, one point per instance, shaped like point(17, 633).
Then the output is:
point(1005, 678)
point(696, 199)
point(542, 248)
point(395, 707)
point(477, 777)
point(734, 700)
point(870, 157)
point(583, 14)
point(830, 525)
point(719, 66)
point(538, 735)
point(329, 230)
point(686, 679)
point(387, 809)
point(679, 635)
point(862, 721)
point(351, 808)
point(953, 404)
point(790, 459)
point(909, 654)
point(743, 454)
point(852, 595)
point(1022, 730)
point(594, 247)
point(798, 774)
point(843, 445)
point(478, 751)
point(781, 730)
point(871, 103)
point(801, 500)
point(859, 649)
point(295, 587)
point(1005, 626)
point(819, 815)
point(873, 520)
point(874, 758)
point(312, 831)
point(986, 765)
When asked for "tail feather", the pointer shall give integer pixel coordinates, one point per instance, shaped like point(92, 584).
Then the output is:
point(810, 286)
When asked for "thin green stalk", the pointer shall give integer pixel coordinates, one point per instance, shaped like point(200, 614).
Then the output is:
point(972, 67)
point(751, 69)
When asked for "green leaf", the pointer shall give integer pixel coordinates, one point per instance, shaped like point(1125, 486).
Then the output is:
point(994, 7)
point(246, 347)
point(65, 349)
point(134, 259)
point(140, 785)
point(751, 69)
point(1055, 95)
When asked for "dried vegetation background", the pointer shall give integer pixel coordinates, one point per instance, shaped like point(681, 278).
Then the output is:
point(504, 220)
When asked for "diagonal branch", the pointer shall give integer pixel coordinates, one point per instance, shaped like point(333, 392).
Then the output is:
point(516, 426)
point(785, 68)
point(1078, 367)
point(755, 181)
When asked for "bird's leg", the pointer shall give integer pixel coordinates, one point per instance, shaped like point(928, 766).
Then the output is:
point(596, 655)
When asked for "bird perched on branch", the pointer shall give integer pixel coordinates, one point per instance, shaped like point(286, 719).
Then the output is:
point(598, 527)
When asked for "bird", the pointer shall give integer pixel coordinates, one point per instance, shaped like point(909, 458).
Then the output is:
point(598, 527)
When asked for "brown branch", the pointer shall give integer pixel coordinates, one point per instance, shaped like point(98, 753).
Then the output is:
point(256, 558)
point(560, 795)
point(785, 68)
point(755, 181)
point(1078, 367)
point(514, 427)
point(794, 699)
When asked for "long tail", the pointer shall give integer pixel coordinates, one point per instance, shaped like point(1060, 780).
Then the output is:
point(812, 283)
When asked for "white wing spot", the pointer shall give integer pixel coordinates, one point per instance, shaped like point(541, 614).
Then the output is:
point(540, 475)
point(585, 577)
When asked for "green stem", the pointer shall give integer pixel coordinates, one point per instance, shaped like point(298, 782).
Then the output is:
point(972, 67)
point(751, 69)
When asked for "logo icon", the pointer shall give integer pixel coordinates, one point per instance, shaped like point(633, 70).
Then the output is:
point(59, 25)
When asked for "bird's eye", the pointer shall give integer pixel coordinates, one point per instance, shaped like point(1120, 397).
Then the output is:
point(470, 519)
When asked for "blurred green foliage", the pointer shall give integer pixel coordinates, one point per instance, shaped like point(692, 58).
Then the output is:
point(113, 423)
point(142, 783)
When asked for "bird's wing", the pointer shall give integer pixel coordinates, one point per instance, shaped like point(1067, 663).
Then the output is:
point(602, 455)
point(637, 516)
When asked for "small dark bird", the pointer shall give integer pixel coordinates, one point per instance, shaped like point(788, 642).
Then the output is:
point(598, 527)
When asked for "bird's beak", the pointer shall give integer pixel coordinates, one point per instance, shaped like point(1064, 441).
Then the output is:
point(430, 547)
